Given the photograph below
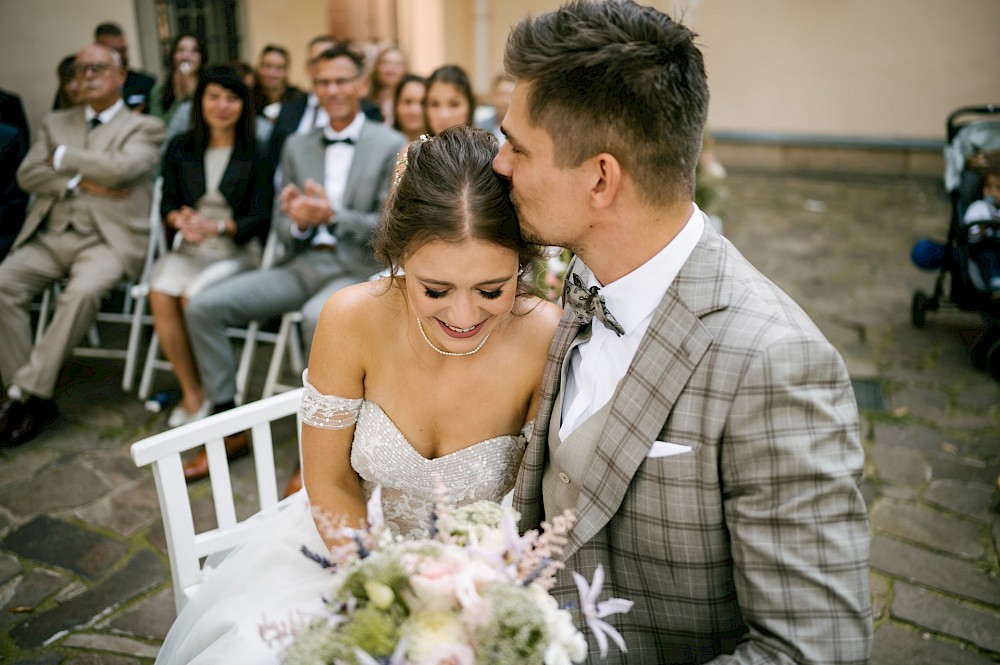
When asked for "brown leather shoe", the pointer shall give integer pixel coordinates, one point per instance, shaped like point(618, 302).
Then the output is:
point(237, 445)
point(25, 420)
point(294, 483)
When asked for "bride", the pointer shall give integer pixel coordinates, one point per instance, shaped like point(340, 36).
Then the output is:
point(430, 373)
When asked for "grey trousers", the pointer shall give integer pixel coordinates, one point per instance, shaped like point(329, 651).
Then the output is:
point(92, 269)
point(304, 283)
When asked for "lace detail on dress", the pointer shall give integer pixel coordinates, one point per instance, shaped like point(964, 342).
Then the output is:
point(381, 455)
point(327, 411)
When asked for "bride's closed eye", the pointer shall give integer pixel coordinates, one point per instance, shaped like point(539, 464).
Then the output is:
point(489, 295)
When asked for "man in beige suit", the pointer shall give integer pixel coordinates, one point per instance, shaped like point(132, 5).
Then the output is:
point(692, 416)
point(90, 169)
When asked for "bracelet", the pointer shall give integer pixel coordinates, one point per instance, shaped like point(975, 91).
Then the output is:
point(222, 227)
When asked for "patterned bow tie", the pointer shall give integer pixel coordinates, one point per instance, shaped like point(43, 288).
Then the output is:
point(588, 303)
point(329, 142)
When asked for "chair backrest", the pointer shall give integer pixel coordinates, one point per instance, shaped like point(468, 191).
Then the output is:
point(163, 451)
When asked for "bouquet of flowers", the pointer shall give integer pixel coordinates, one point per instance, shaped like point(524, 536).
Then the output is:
point(474, 591)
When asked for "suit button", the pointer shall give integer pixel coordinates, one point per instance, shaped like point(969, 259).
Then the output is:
point(563, 477)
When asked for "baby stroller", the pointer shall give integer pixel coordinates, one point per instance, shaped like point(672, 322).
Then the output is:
point(973, 140)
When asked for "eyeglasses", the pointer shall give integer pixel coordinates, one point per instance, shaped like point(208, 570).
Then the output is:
point(329, 83)
point(81, 69)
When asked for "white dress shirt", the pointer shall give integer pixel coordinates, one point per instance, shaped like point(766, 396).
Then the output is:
point(336, 168)
point(597, 365)
point(315, 115)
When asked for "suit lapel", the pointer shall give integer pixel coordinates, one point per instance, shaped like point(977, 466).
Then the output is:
point(669, 352)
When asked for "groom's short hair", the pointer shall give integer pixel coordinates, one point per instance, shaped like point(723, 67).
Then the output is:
point(620, 78)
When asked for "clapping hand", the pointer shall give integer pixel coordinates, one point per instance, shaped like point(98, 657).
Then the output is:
point(306, 209)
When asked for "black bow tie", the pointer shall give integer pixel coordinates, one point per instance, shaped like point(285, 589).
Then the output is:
point(327, 142)
point(93, 122)
point(588, 303)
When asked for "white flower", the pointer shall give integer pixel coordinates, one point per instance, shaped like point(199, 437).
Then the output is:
point(426, 631)
point(379, 594)
point(565, 643)
point(595, 612)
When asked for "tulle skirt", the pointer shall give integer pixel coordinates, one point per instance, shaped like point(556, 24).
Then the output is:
point(248, 606)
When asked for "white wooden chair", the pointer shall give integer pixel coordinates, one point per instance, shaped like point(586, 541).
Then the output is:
point(163, 452)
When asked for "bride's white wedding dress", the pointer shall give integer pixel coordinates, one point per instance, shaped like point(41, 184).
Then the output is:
point(267, 584)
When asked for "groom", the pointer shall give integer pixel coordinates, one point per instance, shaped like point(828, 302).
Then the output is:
point(701, 427)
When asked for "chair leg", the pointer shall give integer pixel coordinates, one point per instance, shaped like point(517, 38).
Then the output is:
point(132, 350)
point(280, 344)
point(145, 383)
point(246, 360)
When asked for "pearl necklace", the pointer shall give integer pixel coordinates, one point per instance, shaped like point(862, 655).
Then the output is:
point(448, 353)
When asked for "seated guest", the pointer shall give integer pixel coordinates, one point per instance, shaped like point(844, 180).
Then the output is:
point(334, 182)
point(273, 88)
point(449, 99)
point(217, 200)
point(500, 92)
point(187, 57)
point(388, 70)
point(90, 169)
point(12, 112)
point(13, 201)
point(138, 85)
point(68, 93)
point(408, 108)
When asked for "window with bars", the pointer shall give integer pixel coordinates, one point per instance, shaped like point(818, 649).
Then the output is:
point(215, 21)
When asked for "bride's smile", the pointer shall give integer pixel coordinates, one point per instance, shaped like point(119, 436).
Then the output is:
point(459, 291)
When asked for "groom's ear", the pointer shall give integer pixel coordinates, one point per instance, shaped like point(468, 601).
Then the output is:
point(605, 173)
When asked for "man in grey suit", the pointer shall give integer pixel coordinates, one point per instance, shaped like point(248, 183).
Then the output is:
point(334, 180)
point(701, 428)
point(90, 169)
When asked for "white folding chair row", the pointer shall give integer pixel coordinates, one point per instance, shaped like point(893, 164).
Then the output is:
point(185, 546)
point(132, 311)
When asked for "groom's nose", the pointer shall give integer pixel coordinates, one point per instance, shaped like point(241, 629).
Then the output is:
point(502, 162)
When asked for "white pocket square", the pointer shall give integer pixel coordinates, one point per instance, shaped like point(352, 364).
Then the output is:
point(665, 449)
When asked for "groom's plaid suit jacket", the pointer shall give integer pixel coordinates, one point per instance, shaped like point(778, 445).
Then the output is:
point(754, 544)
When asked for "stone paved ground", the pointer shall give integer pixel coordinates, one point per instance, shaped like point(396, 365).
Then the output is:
point(83, 568)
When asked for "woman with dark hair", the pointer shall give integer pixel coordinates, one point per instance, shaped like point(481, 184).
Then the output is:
point(449, 100)
point(273, 89)
point(68, 94)
point(187, 57)
point(408, 107)
point(216, 207)
point(431, 374)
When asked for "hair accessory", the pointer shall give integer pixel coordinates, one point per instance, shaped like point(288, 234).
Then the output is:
point(401, 165)
point(449, 353)
point(425, 138)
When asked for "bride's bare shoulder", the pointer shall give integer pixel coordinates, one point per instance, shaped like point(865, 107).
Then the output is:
point(356, 310)
point(538, 318)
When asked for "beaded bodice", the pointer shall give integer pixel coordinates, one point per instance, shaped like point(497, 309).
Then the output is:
point(381, 455)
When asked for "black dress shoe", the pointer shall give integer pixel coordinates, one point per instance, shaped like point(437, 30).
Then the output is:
point(32, 416)
point(9, 410)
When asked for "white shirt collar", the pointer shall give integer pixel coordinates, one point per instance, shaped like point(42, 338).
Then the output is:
point(632, 298)
point(352, 131)
point(105, 115)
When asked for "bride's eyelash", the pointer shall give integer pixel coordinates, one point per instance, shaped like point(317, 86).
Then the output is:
point(489, 295)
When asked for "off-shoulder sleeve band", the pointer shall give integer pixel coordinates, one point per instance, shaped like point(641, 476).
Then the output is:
point(327, 411)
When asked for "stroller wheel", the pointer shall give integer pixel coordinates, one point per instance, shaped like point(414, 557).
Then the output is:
point(987, 348)
point(919, 308)
point(993, 359)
